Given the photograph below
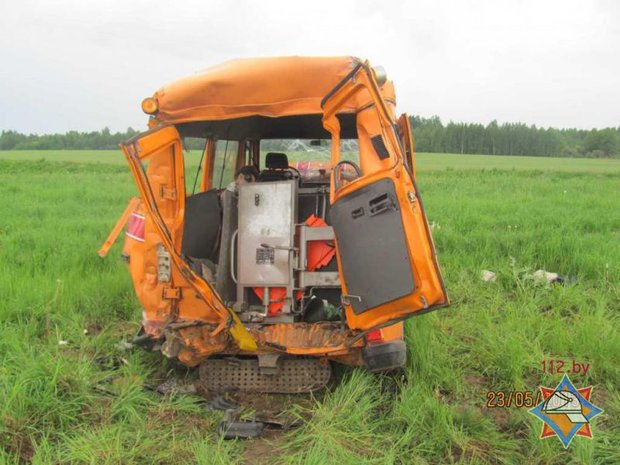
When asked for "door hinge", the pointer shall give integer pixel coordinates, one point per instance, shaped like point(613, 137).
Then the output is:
point(168, 193)
point(171, 293)
point(345, 299)
point(164, 271)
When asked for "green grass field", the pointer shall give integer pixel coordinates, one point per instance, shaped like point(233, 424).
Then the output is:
point(84, 401)
point(425, 161)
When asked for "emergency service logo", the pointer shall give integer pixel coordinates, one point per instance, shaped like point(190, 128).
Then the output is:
point(566, 411)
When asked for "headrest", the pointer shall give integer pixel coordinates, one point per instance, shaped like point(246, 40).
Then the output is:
point(276, 161)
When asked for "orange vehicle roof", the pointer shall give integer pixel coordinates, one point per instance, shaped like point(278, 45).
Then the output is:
point(272, 87)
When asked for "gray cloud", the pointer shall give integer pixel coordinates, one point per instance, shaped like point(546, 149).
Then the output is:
point(84, 65)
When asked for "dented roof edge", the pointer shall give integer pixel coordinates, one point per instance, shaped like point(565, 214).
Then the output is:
point(269, 87)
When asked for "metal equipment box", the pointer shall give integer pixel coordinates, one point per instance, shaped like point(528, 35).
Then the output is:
point(267, 216)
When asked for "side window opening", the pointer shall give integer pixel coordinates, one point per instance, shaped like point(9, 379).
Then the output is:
point(193, 148)
point(350, 150)
point(225, 162)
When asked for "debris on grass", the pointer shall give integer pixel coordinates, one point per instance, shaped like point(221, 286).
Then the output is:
point(124, 346)
point(109, 362)
point(547, 276)
point(232, 427)
point(175, 387)
point(221, 403)
point(488, 276)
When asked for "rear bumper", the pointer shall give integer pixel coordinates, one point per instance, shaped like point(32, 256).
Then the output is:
point(385, 356)
point(194, 343)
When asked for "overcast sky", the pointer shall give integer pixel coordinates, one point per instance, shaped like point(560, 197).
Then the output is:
point(85, 65)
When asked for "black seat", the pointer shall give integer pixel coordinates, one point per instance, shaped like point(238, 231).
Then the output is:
point(276, 168)
point(201, 228)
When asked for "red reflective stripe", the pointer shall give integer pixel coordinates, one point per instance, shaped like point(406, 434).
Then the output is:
point(374, 335)
point(135, 227)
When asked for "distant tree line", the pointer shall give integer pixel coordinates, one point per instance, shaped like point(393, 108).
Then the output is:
point(72, 140)
point(430, 135)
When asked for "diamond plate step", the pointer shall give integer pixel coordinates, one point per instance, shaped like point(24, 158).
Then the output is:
point(295, 375)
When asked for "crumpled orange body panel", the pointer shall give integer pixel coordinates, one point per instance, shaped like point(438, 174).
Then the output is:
point(326, 339)
point(274, 87)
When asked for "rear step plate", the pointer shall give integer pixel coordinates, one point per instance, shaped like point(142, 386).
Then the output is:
point(295, 375)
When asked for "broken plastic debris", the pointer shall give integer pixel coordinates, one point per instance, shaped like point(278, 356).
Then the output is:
point(488, 276)
point(221, 403)
point(233, 428)
point(124, 346)
point(542, 275)
point(175, 387)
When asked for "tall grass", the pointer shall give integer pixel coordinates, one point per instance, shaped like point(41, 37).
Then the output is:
point(71, 395)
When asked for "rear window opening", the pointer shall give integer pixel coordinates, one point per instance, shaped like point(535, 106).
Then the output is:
point(309, 149)
point(212, 247)
point(311, 157)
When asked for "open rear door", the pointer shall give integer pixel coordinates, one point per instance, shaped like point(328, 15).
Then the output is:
point(386, 256)
point(157, 165)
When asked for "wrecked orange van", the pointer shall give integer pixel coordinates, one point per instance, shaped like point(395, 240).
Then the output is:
point(298, 237)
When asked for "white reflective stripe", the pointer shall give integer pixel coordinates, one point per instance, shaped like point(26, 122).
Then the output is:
point(140, 239)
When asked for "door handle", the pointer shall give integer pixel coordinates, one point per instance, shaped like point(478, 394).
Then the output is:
point(358, 212)
point(380, 204)
point(280, 247)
